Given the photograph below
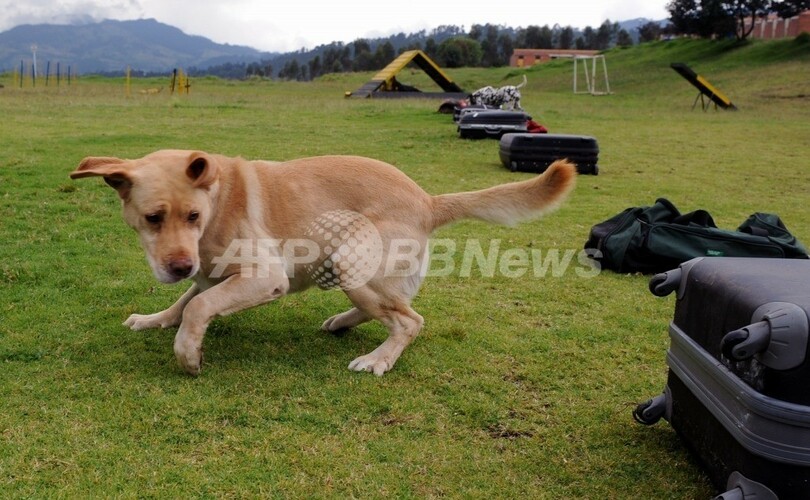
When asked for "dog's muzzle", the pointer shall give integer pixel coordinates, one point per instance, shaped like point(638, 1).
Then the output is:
point(181, 268)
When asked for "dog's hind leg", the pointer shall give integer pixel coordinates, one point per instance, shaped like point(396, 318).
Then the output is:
point(387, 299)
point(345, 321)
point(164, 319)
point(403, 325)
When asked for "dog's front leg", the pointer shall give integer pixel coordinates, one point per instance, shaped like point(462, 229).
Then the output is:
point(232, 295)
point(164, 319)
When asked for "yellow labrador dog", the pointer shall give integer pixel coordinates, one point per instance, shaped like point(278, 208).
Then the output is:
point(248, 232)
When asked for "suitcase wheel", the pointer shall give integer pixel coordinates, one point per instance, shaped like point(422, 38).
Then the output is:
point(742, 344)
point(740, 488)
point(650, 412)
point(780, 336)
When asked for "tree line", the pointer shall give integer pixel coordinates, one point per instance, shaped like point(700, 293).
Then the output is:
point(450, 46)
point(490, 45)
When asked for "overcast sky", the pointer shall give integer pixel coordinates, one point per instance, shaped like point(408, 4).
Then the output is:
point(283, 27)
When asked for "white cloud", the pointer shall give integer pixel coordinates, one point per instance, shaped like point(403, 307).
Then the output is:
point(16, 13)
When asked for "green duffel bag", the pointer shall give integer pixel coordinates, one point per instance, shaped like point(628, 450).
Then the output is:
point(659, 238)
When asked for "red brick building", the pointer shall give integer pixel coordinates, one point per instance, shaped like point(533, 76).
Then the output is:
point(774, 26)
point(529, 57)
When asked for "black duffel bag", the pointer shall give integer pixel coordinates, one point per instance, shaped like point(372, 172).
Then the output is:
point(658, 238)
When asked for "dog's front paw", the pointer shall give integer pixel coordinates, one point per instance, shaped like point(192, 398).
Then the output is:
point(189, 356)
point(370, 363)
point(146, 321)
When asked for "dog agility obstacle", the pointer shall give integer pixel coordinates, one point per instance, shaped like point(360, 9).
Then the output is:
point(706, 89)
point(385, 84)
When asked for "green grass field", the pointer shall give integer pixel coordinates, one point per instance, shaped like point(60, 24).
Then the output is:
point(517, 387)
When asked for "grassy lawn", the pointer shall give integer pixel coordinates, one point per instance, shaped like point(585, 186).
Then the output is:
point(517, 386)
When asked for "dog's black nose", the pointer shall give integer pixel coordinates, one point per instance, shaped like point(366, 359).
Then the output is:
point(181, 268)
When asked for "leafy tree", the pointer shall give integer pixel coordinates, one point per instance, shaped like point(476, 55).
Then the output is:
point(535, 37)
point(363, 59)
point(688, 16)
point(715, 19)
point(261, 69)
point(740, 10)
point(604, 35)
point(383, 55)
point(623, 39)
point(789, 8)
point(363, 62)
point(346, 59)
point(649, 32)
point(411, 46)
point(566, 38)
point(505, 47)
point(588, 38)
point(489, 47)
point(315, 68)
point(361, 45)
point(459, 52)
point(477, 32)
point(448, 31)
point(431, 48)
point(290, 71)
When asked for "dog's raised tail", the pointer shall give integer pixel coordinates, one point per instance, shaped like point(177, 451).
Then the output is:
point(509, 203)
point(523, 83)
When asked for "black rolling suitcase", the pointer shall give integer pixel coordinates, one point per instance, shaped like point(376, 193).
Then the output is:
point(738, 388)
point(481, 124)
point(535, 152)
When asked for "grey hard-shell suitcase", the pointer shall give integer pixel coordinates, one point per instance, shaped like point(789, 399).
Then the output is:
point(480, 124)
point(738, 386)
point(535, 152)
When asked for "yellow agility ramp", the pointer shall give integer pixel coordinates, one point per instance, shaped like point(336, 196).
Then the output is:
point(705, 88)
point(385, 84)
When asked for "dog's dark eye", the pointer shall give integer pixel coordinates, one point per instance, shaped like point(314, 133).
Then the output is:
point(154, 218)
point(193, 216)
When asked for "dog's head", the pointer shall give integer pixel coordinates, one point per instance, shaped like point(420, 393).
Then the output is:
point(167, 199)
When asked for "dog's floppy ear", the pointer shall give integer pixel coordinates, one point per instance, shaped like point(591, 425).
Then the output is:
point(202, 170)
point(112, 169)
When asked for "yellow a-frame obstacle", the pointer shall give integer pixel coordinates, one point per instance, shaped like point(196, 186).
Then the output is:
point(385, 84)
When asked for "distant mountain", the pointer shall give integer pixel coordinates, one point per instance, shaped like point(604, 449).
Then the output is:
point(632, 25)
point(111, 46)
